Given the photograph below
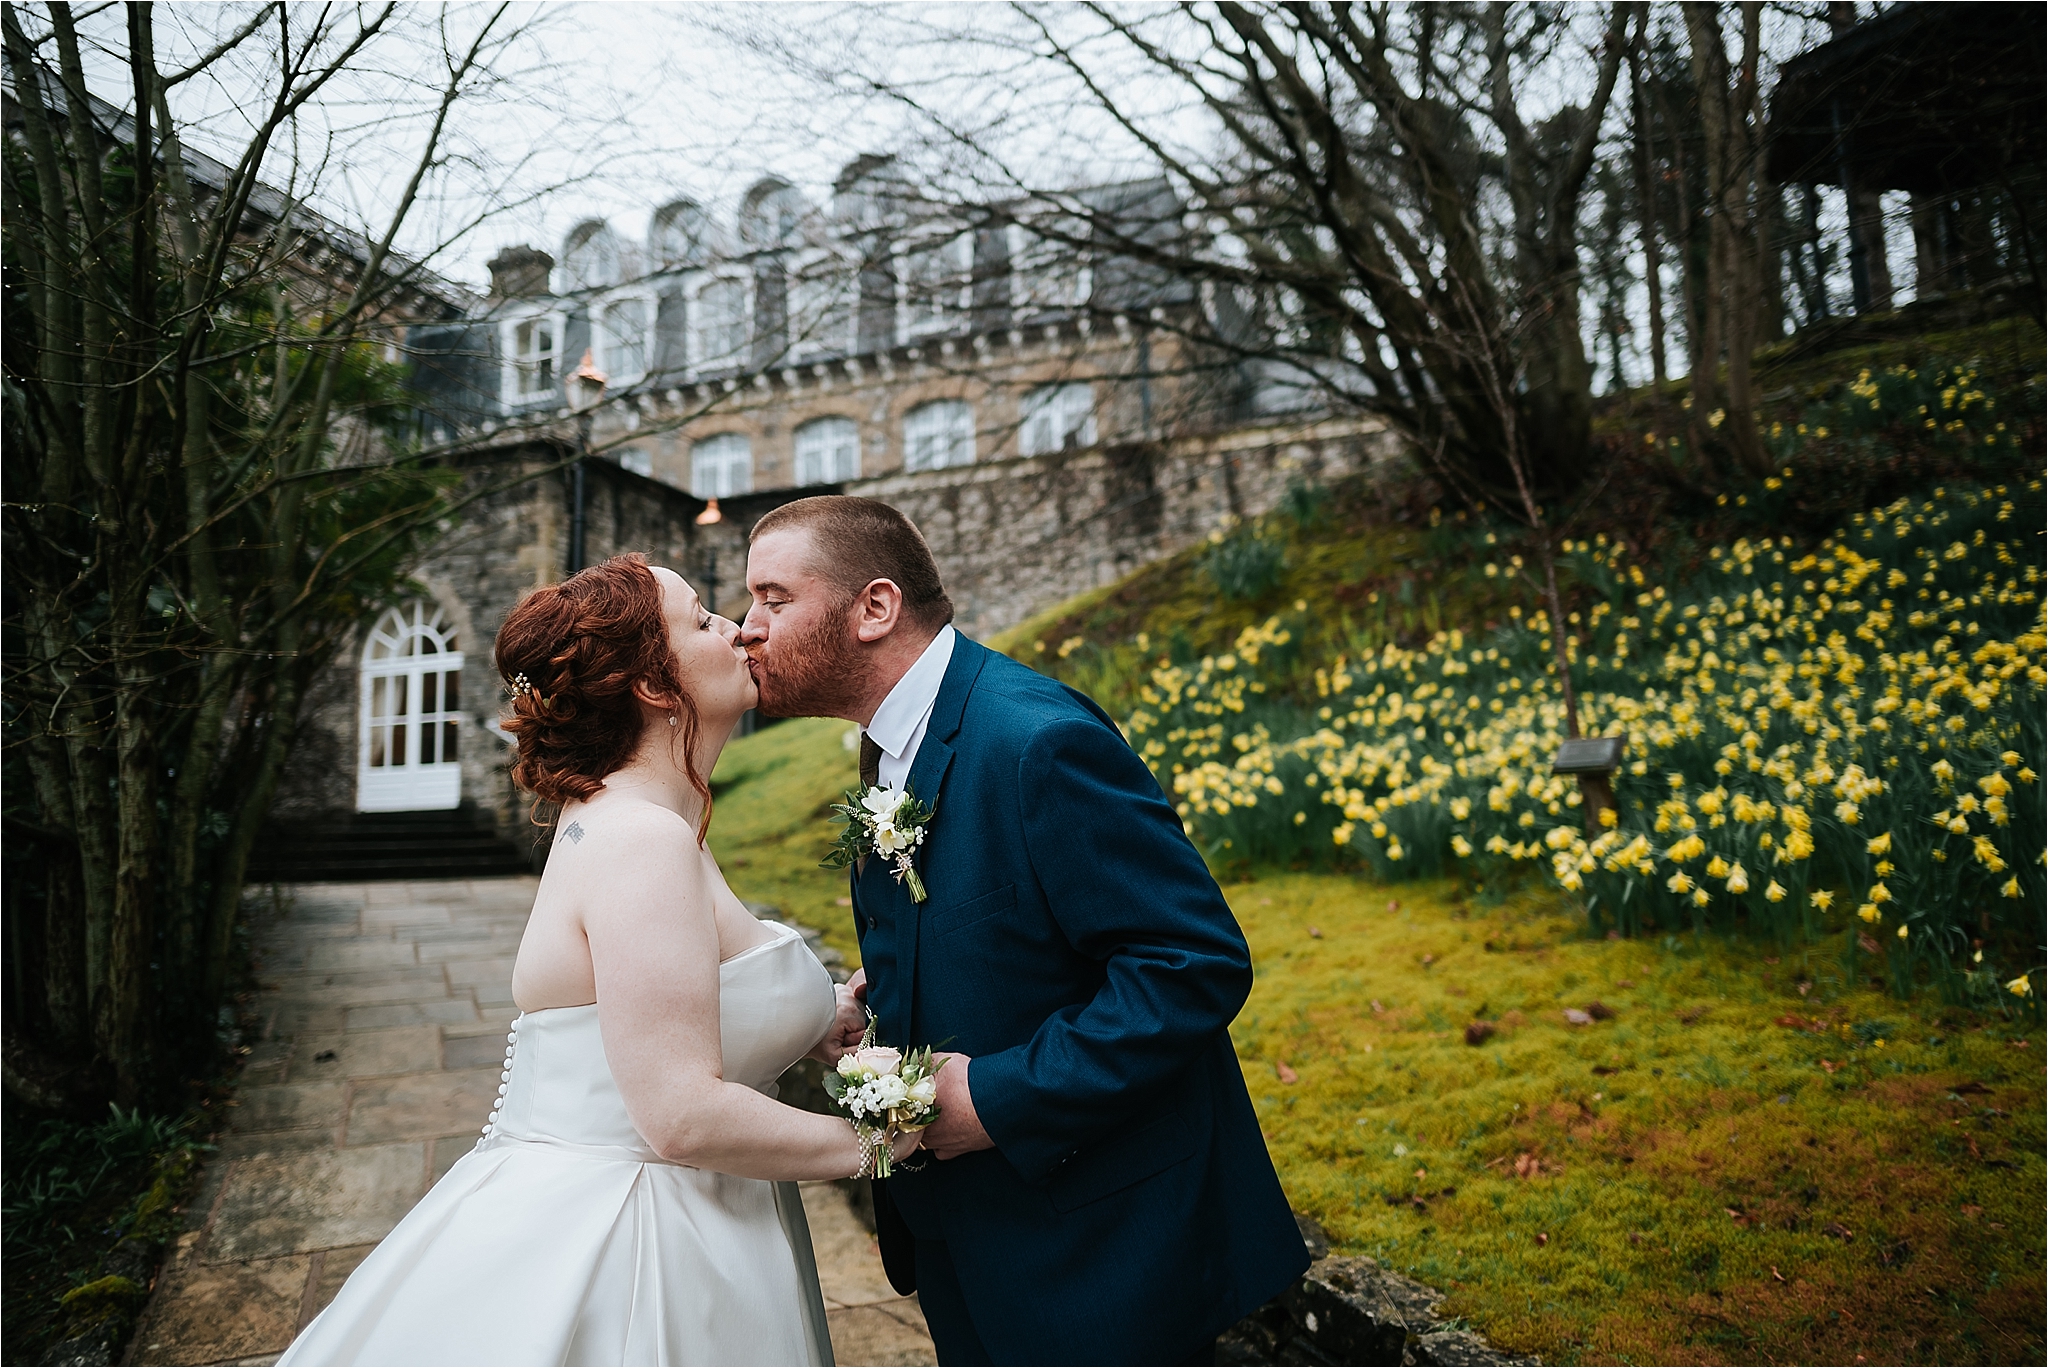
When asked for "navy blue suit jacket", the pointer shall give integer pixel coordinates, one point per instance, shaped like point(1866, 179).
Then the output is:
point(1076, 947)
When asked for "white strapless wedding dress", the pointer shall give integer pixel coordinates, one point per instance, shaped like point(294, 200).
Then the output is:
point(564, 1239)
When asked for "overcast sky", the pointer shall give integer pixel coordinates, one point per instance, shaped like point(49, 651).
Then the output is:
point(612, 109)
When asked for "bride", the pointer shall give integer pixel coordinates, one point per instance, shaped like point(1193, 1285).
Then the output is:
point(630, 1200)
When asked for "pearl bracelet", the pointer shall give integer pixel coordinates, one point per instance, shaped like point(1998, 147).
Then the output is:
point(870, 1144)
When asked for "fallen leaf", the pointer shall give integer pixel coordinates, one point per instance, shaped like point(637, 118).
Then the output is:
point(1776, 1274)
point(1287, 1075)
point(1805, 988)
point(1972, 1212)
point(844, 902)
point(1835, 1230)
point(1599, 1011)
point(1625, 983)
point(1315, 933)
point(1428, 960)
point(1393, 904)
point(1867, 945)
point(1478, 1033)
point(1829, 1065)
point(1542, 1239)
point(1421, 1174)
point(1966, 1089)
point(1577, 1017)
point(1376, 1008)
point(1528, 1166)
point(1635, 1237)
point(1603, 1070)
point(1692, 1014)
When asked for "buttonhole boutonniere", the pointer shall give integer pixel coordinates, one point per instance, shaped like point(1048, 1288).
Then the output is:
point(885, 821)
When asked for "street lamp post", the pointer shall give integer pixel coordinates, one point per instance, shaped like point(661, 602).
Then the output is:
point(585, 389)
point(708, 518)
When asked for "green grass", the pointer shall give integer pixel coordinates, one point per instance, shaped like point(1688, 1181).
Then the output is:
point(1719, 1148)
point(1691, 1162)
point(771, 824)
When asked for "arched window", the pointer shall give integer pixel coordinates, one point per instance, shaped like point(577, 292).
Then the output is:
point(827, 451)
point(722, 466)
point(937, 435)
point(593, 256)
point(1057, 417)
point(680, 235)
point(411, 698)
point(771, 214)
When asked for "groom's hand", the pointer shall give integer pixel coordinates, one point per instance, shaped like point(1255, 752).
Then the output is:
point(849, 1023)
point(958, 1130)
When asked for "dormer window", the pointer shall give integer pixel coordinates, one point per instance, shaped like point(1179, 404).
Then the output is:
point(938, 284)
point(622, 339)
point(821, 306)
point(532, 349)
point(719, 337)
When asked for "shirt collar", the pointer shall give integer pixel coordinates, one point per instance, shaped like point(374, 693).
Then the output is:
point(896, 721)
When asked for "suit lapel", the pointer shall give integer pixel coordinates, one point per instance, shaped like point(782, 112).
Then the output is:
point(927, 778)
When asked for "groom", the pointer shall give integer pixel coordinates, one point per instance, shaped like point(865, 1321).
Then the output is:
point(1097, 1189)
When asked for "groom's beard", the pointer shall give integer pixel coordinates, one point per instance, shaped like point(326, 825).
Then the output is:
point(814, 675)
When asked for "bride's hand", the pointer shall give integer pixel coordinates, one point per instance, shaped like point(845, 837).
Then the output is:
point(849, 1022)
point(905, 1144)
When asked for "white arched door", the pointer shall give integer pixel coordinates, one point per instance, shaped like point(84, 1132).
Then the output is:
point(409, 741)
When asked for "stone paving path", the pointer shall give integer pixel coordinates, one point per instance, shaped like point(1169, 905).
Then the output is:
point(384, 1008)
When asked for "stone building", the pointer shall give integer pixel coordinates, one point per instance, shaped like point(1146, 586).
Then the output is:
point(1050, 413)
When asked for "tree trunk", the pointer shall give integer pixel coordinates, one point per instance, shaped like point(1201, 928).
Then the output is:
point(1732, 156)
point(1646, 202)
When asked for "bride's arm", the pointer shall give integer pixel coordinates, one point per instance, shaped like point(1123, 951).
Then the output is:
point(654, 951)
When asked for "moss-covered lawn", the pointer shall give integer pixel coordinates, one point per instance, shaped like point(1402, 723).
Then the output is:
point(1725, 1169)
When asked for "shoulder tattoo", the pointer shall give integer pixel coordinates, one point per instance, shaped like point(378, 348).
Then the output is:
point(574, 831)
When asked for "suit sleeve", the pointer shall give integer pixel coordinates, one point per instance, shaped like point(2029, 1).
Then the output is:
point(1129, 891)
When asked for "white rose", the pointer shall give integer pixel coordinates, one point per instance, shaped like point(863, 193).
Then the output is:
point(882, 802)
point(892, 1090)
point(925, 1091)
point(849, 1065)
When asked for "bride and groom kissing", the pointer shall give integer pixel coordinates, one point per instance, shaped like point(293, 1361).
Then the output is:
point(1095, 1188)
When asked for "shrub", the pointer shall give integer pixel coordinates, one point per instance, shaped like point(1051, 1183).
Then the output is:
point(1246, 564)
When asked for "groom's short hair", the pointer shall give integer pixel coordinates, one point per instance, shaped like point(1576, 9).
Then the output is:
point(859, 541)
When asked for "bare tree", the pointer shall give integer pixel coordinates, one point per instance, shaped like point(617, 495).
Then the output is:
point(202, 497)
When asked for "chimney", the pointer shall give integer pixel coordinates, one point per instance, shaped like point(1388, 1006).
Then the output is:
point(519, 272)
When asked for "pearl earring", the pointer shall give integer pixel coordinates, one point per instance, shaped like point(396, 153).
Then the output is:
point(671, 719)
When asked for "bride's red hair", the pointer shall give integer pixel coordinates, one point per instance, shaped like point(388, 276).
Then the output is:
point(571, 654)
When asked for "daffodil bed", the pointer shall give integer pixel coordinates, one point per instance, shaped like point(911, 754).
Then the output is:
point(1724, 1112)
point(1854, 727)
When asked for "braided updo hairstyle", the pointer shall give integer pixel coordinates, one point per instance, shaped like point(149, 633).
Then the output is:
point(571, 654)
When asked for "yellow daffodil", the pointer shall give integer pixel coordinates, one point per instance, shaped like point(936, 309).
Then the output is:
point(1821, 898)
point(1774, 892)
point(1869, 913)
point(2020, 986)
point(1878, 845)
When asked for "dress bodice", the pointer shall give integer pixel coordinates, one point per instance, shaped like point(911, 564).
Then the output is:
point(775, 1001)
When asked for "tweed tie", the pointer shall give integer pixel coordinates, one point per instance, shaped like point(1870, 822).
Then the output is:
point(870, 761)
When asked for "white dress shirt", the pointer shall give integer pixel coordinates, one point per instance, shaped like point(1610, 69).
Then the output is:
point(898, 726)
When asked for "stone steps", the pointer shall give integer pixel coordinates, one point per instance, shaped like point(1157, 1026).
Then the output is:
point(376, 846)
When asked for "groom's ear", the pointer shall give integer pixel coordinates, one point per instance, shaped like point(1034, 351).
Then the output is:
point(877, 610)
